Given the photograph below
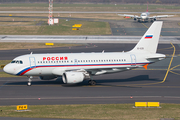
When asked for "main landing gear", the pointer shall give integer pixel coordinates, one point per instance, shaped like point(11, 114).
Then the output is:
point(92, 82)
point(29, 81)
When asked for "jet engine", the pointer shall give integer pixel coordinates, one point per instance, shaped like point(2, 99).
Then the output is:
point(154, 19)
point(135, 19)
point(73, 77)
point(47, 77)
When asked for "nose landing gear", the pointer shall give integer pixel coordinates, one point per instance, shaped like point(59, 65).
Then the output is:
point(29, 81)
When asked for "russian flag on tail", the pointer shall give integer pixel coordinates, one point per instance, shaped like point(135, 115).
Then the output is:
point(148, 36)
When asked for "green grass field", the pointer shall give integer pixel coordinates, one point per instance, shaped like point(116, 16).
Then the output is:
point(29, 46)
point(95, 111)
point(62, 28)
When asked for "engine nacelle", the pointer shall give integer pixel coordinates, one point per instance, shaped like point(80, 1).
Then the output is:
point(154, 19)
point(135, 19)
point(47, 77)
point(73, 77)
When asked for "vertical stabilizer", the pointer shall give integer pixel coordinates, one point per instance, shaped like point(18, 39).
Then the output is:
point(150, 39)
point(147, 7)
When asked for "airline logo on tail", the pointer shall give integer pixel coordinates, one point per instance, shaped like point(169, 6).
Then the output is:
point(148, 36)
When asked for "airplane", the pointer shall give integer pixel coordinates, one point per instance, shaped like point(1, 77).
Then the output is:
point(77, 67)
point(145, 16)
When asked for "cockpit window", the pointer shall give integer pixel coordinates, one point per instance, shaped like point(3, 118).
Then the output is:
point(17, 61)
point(13, 61)
point(21, 62)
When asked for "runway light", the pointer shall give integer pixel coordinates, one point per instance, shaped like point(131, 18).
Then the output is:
point(39, 98)
point(131, 97)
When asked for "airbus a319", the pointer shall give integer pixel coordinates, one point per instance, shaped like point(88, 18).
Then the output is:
point(77, 67)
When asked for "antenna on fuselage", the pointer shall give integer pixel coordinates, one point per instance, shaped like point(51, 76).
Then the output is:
point(31, 53)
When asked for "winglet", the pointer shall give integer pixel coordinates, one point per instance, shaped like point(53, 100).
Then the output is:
point(145, 66)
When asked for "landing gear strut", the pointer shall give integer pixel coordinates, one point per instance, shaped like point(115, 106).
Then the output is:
point(29, 81)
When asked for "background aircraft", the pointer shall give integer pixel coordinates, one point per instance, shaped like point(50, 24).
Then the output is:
point(145, 16)
point(76, 67)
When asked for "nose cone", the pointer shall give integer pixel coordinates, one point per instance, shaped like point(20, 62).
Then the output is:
point(143, 17)
point(9, 69)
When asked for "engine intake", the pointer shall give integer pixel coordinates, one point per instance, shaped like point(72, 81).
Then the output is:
point(73, 77)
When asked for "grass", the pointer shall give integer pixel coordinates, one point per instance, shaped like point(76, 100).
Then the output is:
point(25, 45)
point(63, 28)
point(4, 62)
point(98, 111)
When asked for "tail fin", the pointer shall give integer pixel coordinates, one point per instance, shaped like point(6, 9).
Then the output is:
point(150, 39)
point(147, 7)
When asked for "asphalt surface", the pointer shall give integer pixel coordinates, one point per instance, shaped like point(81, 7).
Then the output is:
point(141, 84)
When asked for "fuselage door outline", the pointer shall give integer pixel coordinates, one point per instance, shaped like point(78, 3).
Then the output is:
point(32, 62)
point(133, 60)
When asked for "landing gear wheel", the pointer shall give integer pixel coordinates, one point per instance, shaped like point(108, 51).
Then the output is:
point(29, 84)
point(92, 82)
point(29, 81)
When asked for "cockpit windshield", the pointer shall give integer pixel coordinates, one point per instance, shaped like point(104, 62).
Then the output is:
point(143, 14)
point(17, 61)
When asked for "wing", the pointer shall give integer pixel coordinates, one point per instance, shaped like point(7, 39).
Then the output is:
point(126, 15)
point(93, 71)
point(161, 16)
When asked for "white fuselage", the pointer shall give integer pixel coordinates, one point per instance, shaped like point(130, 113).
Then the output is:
point(145, 16)
point(57, 64)
point(75, 67)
